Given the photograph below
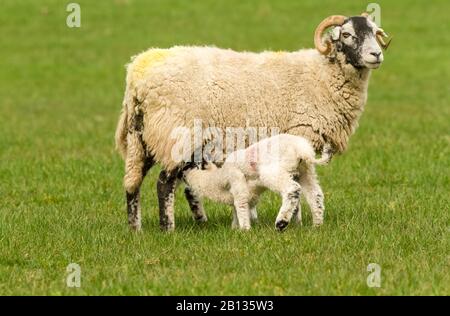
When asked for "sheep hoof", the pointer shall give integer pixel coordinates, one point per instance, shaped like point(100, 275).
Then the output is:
point(201, 219)
point(167, 228)
point(136, 229)
point(281, 225)
point(135, 225)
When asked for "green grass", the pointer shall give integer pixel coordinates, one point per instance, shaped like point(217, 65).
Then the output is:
point(61, 197)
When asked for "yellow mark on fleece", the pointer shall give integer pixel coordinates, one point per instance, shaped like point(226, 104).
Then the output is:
point(277, 54)
point(146, 60)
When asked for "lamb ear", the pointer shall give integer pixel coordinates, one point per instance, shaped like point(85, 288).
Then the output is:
point(335, 33)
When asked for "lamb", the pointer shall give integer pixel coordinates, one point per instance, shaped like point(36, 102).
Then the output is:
point(318, 94)
point(273, 164)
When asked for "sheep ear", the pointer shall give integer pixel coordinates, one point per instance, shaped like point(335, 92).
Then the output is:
point(335, 33)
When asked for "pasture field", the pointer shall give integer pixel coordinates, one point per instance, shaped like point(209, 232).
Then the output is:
point(61, 197)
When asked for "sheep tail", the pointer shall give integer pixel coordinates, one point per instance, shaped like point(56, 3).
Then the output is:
point(121, 132)
point(327, 154)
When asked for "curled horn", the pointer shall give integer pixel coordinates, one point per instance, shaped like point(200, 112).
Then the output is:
point(380, 34)
point(325, 48)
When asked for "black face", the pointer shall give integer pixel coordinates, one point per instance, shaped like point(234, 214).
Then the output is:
point(360, 26)
point(355, 33)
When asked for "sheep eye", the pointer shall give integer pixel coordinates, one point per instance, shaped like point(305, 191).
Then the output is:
point(346, 35)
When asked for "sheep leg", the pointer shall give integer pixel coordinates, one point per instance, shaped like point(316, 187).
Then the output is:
point(298, 213)
point(195, 205)
point(253, 213)
point(235, 222)
point(283, 183)
point(290, 196)
point(298, 210)
point(137, 164)
point(242, 213)
point(314, 195)
point(239, 190)
point(166, 199)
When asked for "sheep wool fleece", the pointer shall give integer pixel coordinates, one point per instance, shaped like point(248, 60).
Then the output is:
point(300, 93)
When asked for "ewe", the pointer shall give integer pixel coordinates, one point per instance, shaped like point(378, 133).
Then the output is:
point(318, 94)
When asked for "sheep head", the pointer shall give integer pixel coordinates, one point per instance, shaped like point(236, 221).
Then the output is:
point(357, 37)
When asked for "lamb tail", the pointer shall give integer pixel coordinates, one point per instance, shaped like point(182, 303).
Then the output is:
point(327, 154)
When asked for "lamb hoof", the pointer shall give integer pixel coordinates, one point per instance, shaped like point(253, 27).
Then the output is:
point(254, 216)
point(281, 225)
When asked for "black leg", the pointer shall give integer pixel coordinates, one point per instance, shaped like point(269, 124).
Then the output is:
point(133, 208)
point(298, 210)
point(195, 205)
point(166, 198)
point(133, 193)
